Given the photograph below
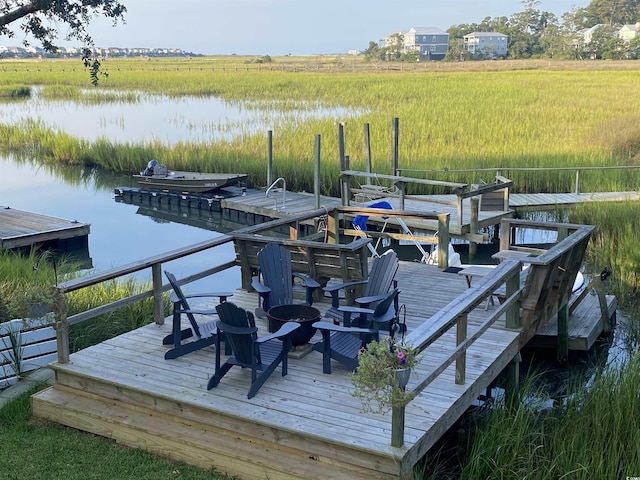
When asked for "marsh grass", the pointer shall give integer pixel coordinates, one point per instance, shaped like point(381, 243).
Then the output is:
point(14, 92)
point(594, 433)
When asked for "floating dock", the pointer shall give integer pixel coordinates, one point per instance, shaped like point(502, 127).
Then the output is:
point(20, 230)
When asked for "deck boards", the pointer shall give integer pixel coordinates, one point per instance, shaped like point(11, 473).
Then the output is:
point(19, 228)
point(304, 425)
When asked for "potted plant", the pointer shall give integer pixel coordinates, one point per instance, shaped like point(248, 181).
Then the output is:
point(384, 368)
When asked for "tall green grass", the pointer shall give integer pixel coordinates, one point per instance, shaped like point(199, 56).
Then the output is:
point(594, 433)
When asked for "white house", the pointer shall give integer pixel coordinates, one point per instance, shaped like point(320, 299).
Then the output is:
point(489, 44)
point(629, 32)
point(432, 43)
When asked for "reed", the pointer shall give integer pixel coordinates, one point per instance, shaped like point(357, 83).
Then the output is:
point(13, 92)
point(593, 433)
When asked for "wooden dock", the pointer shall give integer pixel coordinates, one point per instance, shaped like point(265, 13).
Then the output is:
point(302, 426)
point(20, 229)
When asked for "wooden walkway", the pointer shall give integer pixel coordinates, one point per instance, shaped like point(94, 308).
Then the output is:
point(302, 426)
point(24, 229)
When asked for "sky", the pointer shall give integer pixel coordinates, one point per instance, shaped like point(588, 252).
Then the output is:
point(297, 27)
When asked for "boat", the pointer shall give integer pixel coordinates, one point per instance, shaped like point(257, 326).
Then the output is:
point(157, 175)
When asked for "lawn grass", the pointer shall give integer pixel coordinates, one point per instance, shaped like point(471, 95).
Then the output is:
point(37, 450)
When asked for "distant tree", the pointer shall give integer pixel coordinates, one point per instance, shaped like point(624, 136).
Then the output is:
point(43, 18)
point(373, 51)
point(393, 46)
point(608, 12)
point(603, 43)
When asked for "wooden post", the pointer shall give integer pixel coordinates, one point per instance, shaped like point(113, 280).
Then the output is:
point(513, 313)
point(345, 180)
point(461, 359)
point(341, 146)
point(563, 334)
point(513, 381)
point(158, 304)
point(333, 227)
point(316, 173)
point(269, 157)
point(443, 240)
point(504, 234)
point(394, 146)
point(577, 181)
point(367, 151)
point(402, 187)
point(62, 333)
point(598, 286)
point(397, 426)
point(473, 226)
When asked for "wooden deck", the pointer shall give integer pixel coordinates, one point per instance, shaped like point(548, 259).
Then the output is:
point(305, 425)
point(302, 426)
point(23, 229)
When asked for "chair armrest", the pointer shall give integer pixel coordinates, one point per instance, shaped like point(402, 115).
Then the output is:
point(221, 295)
point(350, 309)
point(339, 328)
point(308, 281)
point(340, 286)
point(365, 301)
point(225, 327)
point(283, 331)
point(197, 312)
point(258, 287)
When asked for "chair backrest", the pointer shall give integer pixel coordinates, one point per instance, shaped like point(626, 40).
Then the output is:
point(275, 267)
point(242, 334)
point(182, 300)
point(386, 309)
point(383, 271)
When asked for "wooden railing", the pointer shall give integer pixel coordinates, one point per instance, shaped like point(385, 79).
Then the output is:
point(500, 170)
point(546, 292)
point(346, 261)
point(461, 190)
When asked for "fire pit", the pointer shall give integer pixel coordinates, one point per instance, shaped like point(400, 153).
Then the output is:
point(303, 314)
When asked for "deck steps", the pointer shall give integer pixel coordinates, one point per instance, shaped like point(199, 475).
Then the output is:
point(223, 447)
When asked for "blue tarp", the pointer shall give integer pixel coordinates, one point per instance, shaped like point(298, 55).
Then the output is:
point(360, 221)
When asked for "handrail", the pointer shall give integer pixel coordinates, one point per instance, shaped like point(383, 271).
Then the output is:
point(499, 170)
point(284, 191)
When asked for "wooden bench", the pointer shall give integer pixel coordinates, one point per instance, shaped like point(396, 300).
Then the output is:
point(321, 261)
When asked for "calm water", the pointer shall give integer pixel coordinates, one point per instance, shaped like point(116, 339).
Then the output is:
point(165, 119)
point(120, 234)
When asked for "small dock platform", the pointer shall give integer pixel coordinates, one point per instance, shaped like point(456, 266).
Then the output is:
point(20, 229)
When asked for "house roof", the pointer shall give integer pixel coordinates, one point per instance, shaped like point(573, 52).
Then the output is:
point(486, 34)
point(426, 31)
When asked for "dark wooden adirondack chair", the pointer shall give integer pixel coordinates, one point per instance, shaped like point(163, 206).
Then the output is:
point(343, 343)
point(277, 278)
point(381, 279)
point(260, 354)
point(205, 333)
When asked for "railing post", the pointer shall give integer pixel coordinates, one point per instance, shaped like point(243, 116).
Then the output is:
point(402, 186)
point(269, 157)
point(367, 152)
point(513, 313)
point(158, 304)
point(345, 180)
point(316, 173)
point(443, 240)
point(577, 181)
point(473, 226)
point(461, 359)
point(333, 227)
point(397, 426)
point(62, 330)
point(394, 145)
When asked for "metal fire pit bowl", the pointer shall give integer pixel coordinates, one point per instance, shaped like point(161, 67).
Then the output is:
point(303, 314)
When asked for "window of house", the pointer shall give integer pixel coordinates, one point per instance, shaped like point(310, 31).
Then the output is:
point(434, 39)
point(432, 48)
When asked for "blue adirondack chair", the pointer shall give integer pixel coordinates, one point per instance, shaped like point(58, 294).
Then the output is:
point(277, 277)
point(260, 354)
point(381, 279)
point(342, 343)
point(205, 334)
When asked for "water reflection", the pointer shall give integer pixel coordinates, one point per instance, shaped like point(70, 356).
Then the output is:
point(119, 235)
point(165, 119)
